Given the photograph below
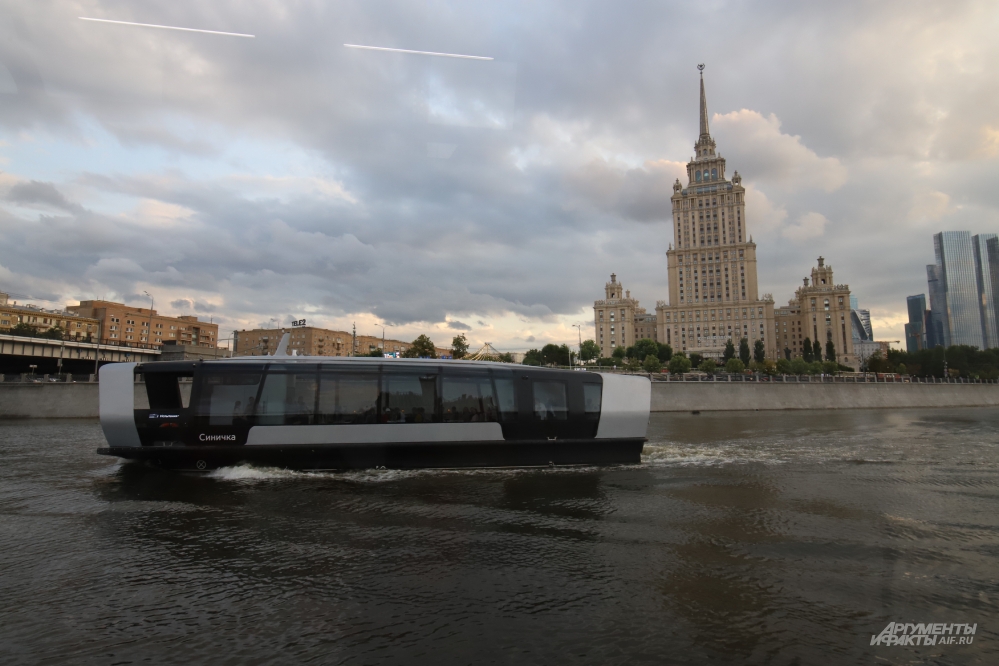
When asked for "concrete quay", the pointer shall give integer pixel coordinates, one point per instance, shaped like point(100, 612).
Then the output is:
point(751, 396)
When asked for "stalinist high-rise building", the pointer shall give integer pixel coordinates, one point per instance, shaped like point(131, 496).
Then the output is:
point(711, 263)
point(713, 293)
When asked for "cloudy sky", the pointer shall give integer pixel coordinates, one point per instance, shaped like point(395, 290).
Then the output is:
point(286, 176)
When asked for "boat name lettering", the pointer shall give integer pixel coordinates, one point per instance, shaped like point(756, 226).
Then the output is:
point(216, 438)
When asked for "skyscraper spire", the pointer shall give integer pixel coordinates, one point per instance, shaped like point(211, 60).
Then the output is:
point(704, 107)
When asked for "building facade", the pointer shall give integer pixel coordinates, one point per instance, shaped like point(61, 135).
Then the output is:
point(820, 311)
point(42, 320)
point(619, 320)
point(314, 341)
point(711, 263)
point(123, 324)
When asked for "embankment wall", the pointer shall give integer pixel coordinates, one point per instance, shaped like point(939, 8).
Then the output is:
point(725, 396)
point(55, 401)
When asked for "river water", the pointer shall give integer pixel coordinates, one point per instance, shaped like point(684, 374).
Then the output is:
point(761, 538)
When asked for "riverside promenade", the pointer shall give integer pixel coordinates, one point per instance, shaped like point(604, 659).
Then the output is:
point(28, 400)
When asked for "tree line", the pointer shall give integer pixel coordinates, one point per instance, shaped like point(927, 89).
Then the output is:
point(960, 361)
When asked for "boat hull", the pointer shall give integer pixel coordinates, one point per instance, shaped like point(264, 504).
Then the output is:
point(418, 455)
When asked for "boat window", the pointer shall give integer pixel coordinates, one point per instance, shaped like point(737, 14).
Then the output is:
point(550, 402)
point(468, 399)
point(348, 397)
point(164, 390)
point(591, 400)
point(409, 397)
point(506, 398)
point(287, 399)
point(228, 398)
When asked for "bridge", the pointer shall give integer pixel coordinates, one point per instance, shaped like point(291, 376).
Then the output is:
point(18, 354)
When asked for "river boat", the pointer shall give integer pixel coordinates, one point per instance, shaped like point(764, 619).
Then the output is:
point(323, 413)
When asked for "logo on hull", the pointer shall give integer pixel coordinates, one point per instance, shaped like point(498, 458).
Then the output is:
point(216, 438)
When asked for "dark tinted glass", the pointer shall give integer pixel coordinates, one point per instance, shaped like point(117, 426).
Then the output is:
point(163, 390)
point(409, 397)
point(348, 397)
point(228, 398)
point(591, 401)
point(288, 398)
point(468, 399)
point(550, 401)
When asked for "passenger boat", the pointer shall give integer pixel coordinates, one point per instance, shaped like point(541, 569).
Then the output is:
point(322, 413)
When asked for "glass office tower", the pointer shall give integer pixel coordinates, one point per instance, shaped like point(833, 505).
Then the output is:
point(955, 257)
point(937, 333)
point(985, 274)
point(915, 330)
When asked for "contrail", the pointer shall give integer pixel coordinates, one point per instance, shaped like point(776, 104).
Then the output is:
point(167, 27)
point(430, 53)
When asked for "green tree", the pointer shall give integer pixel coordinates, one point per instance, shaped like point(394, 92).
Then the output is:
point(708, 365)
point(830, 351)
point(744, 351)
point(877, 363)
point(759, 352)
point(377, 353)
point(54, 333)
point(784, 366)
point(695, 359)
point(799, 367)
point(815, 368)
point(459, 346)
point(25, 330)
point(652, 363)
point(618, 353)
point(830, 367)
point(729, 353)
point(665, 352)
point(422, 347)
point(679, 364)
point(735, 365)
point(643, 348)
point(589, 350)
point(552, 354)
point(533, 357)
point(806, 351)
point(768, 367)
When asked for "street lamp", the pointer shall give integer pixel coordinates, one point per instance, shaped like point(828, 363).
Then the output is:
point(97, 352)
point(579, 331)
point(383, 335)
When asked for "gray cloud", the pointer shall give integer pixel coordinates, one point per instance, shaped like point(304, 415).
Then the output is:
point(286, 176)
point(46, 194)
point(458, 326)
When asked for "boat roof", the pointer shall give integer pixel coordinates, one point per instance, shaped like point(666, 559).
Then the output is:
point(167, 366)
